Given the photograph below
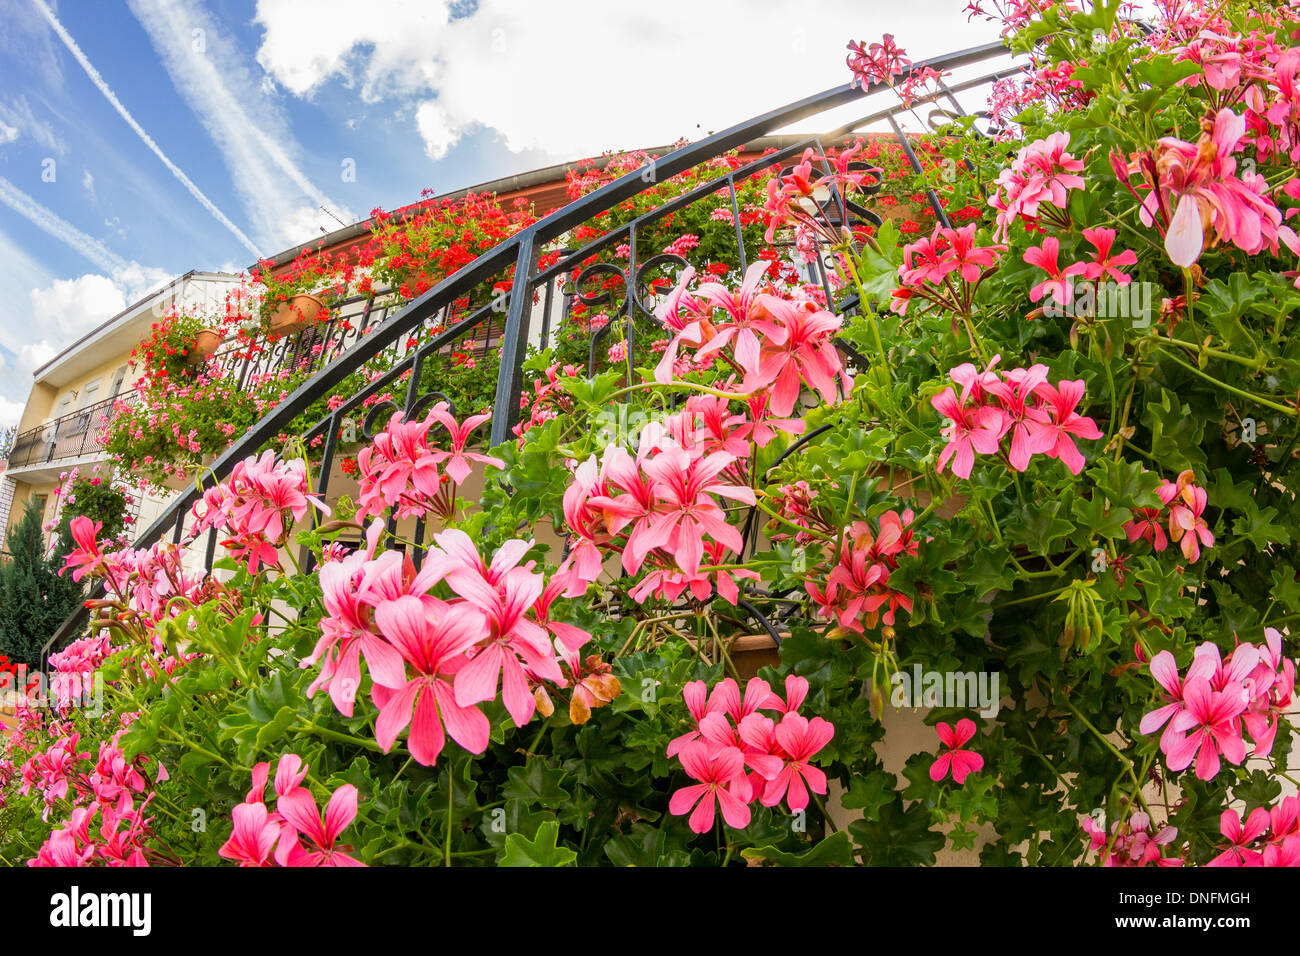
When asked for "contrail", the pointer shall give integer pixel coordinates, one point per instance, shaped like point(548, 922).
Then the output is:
point(206, 85)
point(98, 80)
point(60, 229)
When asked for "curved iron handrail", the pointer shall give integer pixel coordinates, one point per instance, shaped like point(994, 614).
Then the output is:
point(521, 252)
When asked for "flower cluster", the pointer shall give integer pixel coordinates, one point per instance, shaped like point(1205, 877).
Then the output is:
point(74, 668)
point(93, 495)
point(1036, 186)
point(256, 507)
point(799, 198)
point(1268, 837)
point(929, 262)
point(108, 790)
point(659, 509)
point(779, 343)
point(740, 754)
point(1185, 519)
point(1053, 84)
point(1131, 842)
point(262, 837)
point(1195, 196)
point(1206, 712)
point(401, 472)
point(1252, 69)
point(857, 588)
point(432, 662)
point(548, 400)
point(877, 63)
point(1041, 418)
point(1104, 265)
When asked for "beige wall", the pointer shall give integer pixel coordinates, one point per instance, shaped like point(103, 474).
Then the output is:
point(104, 373)
point(39, 403)
point(24, 491)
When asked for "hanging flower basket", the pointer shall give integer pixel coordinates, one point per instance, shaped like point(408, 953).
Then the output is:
point(205, 344)
point(297, 313)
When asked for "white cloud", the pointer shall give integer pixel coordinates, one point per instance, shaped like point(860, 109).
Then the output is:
point(88, 184)
point(69, 308)
point(25, 43)
point(301, 51)
point(58, 312)
point(208, 70)
point(17, 120)
point(66, 309)
point(435, 129)
point(589, 75)
point(10, 412)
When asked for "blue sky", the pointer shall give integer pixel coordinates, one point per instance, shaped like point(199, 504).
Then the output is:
point(260, 108)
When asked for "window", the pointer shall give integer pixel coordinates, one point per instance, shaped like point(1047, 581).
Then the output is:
point(118, 377)
point(89, 392)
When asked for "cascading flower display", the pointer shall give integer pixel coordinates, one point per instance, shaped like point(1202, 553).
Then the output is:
point(767, 463)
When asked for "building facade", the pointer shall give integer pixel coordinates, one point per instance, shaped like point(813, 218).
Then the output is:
point(73, 393)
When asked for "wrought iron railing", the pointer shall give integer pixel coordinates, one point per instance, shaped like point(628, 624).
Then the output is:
point(405, 340)
point(306, 351)
point(67, 437)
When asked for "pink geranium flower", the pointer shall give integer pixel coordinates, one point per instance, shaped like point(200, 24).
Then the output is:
point(798, 740)
point(739, 307)
point(723, 784)
point(797, 346)
point(458, 459)
point(86, 557)
point(1057, 423)
point(1147, 525)
point(1165, 671)
point(1240, 837)
point(254, 836)
point(1059, 282)
point(303, 819)
point(1104, 264)
point(433, 641)
point(696, 695)
point(961, 762)
point(685, 487)
point(1212, 718)
point(1188, 527)
point(971, 430)
point(1016, 394)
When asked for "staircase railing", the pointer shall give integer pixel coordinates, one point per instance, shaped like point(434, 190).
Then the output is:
point(534, 306)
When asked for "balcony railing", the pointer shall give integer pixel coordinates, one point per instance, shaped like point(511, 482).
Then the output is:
point(71, 436)
point(313, 348)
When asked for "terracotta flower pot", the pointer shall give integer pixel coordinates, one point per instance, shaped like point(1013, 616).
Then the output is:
point(205, 343)
point(752, 652)
point(298, 312)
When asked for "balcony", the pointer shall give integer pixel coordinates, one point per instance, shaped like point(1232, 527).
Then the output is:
point(69, 437)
